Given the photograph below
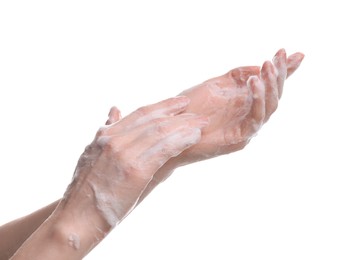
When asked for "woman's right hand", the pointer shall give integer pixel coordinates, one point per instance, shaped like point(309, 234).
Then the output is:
point(116, 167)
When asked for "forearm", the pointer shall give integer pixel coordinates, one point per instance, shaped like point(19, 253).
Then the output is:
point(69, 233)
point(17, 231)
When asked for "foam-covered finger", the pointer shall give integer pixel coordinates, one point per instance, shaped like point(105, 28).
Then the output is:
point(192, 120)
point(153, 131)
point(170, 146)
point(114, 115)
point(280, 63)
point(293, 62)
point(168, 107)
point(161, 128)
point(269, 78)
point(145, 114)
point(258, 103)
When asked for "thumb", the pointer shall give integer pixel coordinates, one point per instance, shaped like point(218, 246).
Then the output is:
point(114, 115)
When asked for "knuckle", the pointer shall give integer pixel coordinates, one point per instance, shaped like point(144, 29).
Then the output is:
point(108, 144)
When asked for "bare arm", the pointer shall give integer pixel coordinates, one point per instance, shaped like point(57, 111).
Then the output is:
point(110, 176)
point(220, 137)
point(17, 231)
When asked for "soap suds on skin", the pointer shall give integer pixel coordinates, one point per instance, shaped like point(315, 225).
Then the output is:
point(110, 207)
point(74, 241)
point(158, 113)
point(114, 210)
point(187, 138)
point(105, 204)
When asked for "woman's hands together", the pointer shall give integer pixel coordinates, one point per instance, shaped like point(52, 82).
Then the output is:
point(236, 104)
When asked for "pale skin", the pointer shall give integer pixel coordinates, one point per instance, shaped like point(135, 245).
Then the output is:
point(224, 113)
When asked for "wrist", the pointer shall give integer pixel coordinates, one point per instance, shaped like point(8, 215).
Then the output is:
point(61, 236)
point(80, 211)
point(77, 227)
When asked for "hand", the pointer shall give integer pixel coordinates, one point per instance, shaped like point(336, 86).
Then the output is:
point(237, 105)
point(116, 167)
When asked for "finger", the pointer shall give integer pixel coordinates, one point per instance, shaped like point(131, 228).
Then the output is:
point(258, 103)
point(114, 115)
point(144, 136)
point(155, 130)
point(269, 78)
point(280, 63)
point(168, 107)
point(253, 122)
point(168, 147)
point(293, 62)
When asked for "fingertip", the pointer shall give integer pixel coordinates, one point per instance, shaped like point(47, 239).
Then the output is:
point(267, 68)
point(113, 110)
point(265, 65)
point(298, 57)
point(300, 54)
point(252, 81)
point(294, 61)
point(281, 52)
point(114, 115)
point(280, 59)
point(253, 78)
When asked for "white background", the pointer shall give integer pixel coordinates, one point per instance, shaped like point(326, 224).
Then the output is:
point(291, 194)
